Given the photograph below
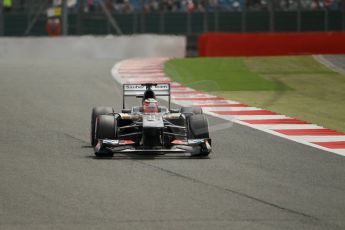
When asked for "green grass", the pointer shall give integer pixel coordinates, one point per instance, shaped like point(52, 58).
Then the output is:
point(297, 86)
point(225, 74)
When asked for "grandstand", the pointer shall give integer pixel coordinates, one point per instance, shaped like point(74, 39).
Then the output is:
point(194, 5)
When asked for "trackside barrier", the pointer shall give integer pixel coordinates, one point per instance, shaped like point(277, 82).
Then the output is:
point(266, 44)
point(114, 47)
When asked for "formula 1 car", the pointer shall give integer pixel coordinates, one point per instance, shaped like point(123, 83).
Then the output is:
point(149, 128)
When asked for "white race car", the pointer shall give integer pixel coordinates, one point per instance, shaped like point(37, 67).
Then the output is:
point(149, 128)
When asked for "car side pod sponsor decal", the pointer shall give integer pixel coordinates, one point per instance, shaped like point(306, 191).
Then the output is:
point(151, 70)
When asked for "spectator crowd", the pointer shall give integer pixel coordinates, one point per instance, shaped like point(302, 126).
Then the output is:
point(212, 5)
point(127, 6)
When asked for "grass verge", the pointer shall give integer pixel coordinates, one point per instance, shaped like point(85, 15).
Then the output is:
point(296, 86)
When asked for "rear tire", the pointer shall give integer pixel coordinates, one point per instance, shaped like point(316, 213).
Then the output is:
point(96, 111)
point(105, 128)
point(189, 111)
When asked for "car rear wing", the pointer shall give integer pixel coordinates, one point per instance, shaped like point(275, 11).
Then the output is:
point(138, 90)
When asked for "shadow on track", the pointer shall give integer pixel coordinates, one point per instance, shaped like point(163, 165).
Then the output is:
point(131, 156)
point(135, 156)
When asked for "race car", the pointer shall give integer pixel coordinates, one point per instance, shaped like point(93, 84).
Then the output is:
point(149, 128)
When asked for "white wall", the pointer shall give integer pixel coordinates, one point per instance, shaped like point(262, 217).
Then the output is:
point(93, 47)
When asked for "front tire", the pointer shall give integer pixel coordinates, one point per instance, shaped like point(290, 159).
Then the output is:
point(198, 129)
point(96, 111)
point(105, 128)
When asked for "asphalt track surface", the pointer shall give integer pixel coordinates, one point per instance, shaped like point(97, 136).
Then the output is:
point(49, 178)
point(336, 60)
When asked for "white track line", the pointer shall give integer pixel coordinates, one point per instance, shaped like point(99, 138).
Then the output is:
point(322, 138)
point(251, 117)
point(288, 126)
point(231, 109)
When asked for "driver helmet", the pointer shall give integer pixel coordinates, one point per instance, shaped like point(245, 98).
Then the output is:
point(150, 105)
